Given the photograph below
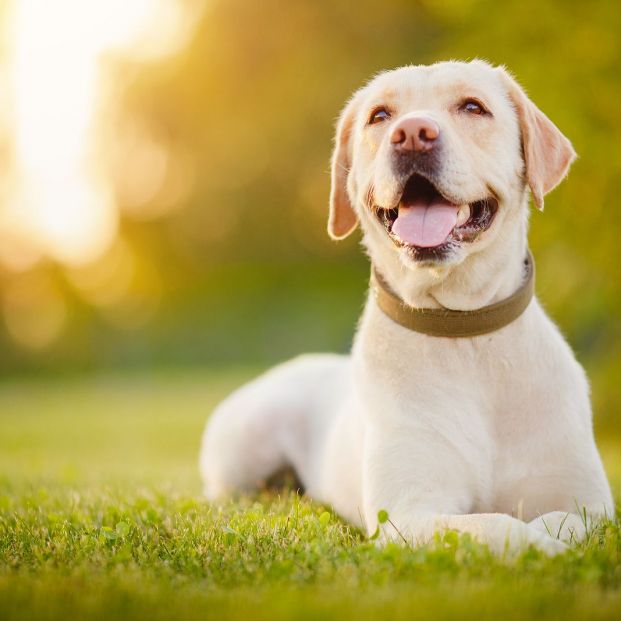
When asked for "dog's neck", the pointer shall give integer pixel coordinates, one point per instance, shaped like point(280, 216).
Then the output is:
point(481, 279)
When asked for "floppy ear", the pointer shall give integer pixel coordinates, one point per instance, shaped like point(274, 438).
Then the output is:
point(548, 154)
point(343, 218)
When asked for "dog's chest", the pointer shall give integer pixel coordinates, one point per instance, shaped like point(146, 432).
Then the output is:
point(477, 396)
point(477, 375)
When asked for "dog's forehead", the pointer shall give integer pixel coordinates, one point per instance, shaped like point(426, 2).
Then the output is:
point(434, 83)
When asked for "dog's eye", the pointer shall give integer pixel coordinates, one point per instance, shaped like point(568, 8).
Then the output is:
point(378, 115)
point(472, 106)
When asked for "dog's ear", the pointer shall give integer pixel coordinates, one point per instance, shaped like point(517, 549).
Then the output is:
point(343, 218)
point(548, 154)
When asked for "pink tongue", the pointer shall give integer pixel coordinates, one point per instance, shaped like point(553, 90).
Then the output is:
point(425, 226)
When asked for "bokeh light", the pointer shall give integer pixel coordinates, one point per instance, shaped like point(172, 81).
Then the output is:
point(34, 310)
point(164, 172)
point(61, 97)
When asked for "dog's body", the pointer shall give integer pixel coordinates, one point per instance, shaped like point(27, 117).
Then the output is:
point(489, 435)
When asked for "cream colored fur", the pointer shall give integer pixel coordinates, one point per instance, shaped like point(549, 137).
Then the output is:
point(490, 435)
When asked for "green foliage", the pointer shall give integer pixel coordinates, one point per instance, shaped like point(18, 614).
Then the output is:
point(101, 518)
point(246, 270)
point(121, 546)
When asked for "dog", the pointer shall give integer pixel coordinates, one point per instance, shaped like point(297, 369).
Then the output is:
point(487, 431)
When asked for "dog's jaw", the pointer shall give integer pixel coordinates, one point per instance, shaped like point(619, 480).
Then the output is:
point(474, 276)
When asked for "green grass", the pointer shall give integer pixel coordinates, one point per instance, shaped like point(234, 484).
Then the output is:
point(101, 518)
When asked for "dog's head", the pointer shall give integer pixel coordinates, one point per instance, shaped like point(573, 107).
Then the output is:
point(435, 161)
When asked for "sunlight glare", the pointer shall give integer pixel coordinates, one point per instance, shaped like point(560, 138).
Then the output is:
point(60, 99)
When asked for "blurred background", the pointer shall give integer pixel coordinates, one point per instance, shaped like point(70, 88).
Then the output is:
point(164, 174)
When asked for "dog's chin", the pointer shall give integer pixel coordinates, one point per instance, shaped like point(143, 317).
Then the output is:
point(446, 254)
point(455, 225)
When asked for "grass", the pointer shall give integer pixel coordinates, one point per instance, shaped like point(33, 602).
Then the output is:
point(101, 518)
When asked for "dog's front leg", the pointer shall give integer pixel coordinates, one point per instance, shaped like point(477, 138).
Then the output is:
point(428, 485)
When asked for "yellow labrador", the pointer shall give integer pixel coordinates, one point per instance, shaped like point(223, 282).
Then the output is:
point(488, 434)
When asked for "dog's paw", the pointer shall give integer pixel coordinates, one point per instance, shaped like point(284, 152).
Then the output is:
point(542, 541)
point(512, 536)
point(568, 527)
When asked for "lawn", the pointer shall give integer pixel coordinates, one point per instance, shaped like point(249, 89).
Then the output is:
point(101, 518)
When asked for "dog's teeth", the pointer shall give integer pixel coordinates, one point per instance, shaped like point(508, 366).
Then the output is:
point(463, 214)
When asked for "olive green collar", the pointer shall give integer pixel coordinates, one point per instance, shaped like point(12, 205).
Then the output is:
point(452, 323)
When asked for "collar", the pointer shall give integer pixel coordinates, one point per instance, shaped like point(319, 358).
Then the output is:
point(452, 323)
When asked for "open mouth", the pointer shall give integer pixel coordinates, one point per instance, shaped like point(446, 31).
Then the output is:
point(429, 224)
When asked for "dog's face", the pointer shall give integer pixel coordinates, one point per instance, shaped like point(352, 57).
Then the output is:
point(434, 161)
